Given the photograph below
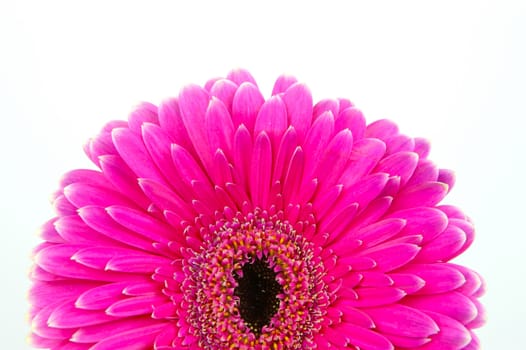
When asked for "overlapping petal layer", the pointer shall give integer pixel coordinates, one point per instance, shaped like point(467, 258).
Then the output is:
point(148, 250)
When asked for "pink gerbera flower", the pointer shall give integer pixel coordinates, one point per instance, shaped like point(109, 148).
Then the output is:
point(221, 220)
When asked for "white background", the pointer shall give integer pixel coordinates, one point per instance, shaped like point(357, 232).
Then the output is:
point(453, 72)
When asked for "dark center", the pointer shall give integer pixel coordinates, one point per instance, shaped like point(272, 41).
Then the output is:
point(257, 291)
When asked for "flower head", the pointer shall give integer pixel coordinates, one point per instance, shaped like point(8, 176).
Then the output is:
point(221, 220)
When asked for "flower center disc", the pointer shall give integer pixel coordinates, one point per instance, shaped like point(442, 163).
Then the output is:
point(257, 290)
point(256, 285)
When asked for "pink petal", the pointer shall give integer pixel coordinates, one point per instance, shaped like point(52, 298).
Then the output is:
point(42, 294)
point(448, 177)
point(409, 283)
point(245, 106)
point(142, 223)
point(403, 321)
point(399, 143)
point(57, 260)
point(425, 171)
point(427, 194)
point(135, 306)
point(224, 90)
point(96, 333)
point(40, 325)
point(318, 137)
point(379, 232)
point(422, 147)
point(452, 336)
point(293, 176)
point(363, 158)
point(288, 144)
point(242, 155)
point(283, 83)
point(138, 338)
point(66, 315)
point(351, 118)
point(452, 304)
point(381, 129)
point(326, 106)
point(134, 153)
point(261, 170)
point(439, 278)
point(390, 256)
point(272, 118)
point(166, 199)
point(219, 127)
point(158, 143)
point(123, 179)
point(98, 219)
point(335, 158)
point(240, 76)
point(401, 164)
point(428, 222)
point(444, 247)
point(364, 338)
point(145, 112)
point(171, 121)
point(376, 296)
point(193, 103)
point(81, 194)
point(298, 100)
point(101, 297)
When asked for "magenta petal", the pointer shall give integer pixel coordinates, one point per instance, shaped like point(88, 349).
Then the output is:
point(364, 338)
point(98, 219)
point(351, 118)
point(245, 106)
point(389, 256)
point(428, 222)
point(422, 147)
point(363, 158)
point(399, 143)
point(272, 119)
point(403, 320)
point(452, 304)
point(283, 83)
point(171, 121)
point(123, 179)
point(219, 126)
point(240, 76)
point(447, 177)
point(135, 306)
point(453, 335)
point(261, 170)
point(439, 278)
point(335, 158)
point(224, 90)
point(101, 297)
point(145, 112)
point(381, 129)
point(193, 103)
point(95, 333)
point(326, 106)
point(401, 164)
point(139, 338)
point(157, 143)
point(318, 137)
point(288, 144)
point(66, 315)
point(134, 153)
point(298, 100)
point(427, 194)
point(81, 194)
